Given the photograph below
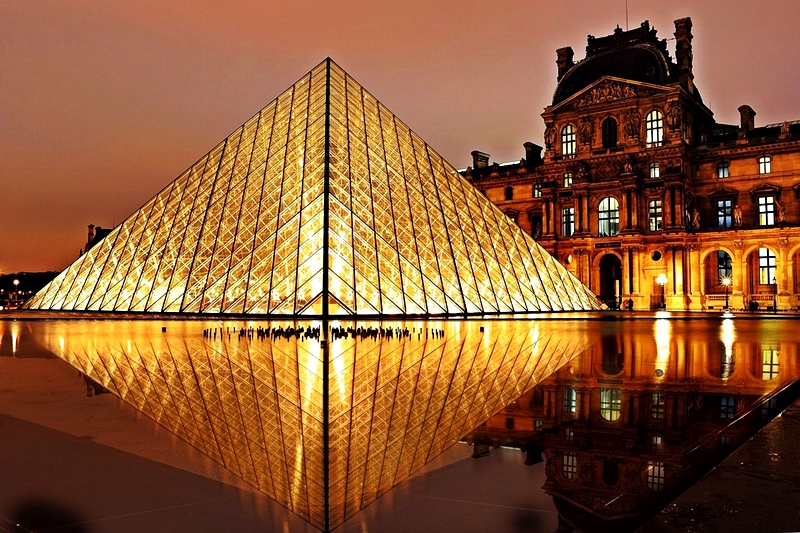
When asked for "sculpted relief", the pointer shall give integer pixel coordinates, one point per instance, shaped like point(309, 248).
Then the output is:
point(604, 92)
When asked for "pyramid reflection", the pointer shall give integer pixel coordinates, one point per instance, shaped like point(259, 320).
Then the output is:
point(323, 203)
point(324, 441)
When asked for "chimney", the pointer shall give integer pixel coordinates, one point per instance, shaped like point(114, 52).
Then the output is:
point(683, 52)
point(91, 236)
point(747, 118)
point(533, 154)
point(564, 61)
point(480, 159)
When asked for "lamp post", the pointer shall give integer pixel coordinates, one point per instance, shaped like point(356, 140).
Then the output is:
point(662, 280)
point(16, 290)
point(726, 281)
point(774, 295)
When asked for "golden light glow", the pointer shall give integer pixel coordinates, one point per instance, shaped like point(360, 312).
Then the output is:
point(255, 405)
point(325, 170)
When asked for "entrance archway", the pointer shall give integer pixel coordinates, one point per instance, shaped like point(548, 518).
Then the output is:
point(611, 281)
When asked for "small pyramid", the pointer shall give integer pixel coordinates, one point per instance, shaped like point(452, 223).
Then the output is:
point(322, 204)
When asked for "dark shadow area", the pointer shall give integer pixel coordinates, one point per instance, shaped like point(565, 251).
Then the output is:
point(36, 515)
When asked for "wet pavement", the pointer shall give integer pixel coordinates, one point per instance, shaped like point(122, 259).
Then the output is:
point(757, 488)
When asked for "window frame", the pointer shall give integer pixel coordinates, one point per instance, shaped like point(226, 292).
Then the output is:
point(767, 267)
point(508, 193)
point(655, 475)
point(765, 164)
point(724, 213)
point(654, 170)
point(608, 217)
point(570, 400)
point(723, 167)
point(566, 180)
point(766, 209)
point(609, 132)
point(654, 128)
point(569, 141)
point(569, 465)
point(568, 221)
point(610, 404)
point(655, 215)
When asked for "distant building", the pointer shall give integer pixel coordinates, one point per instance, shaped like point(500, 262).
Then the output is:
point(639, 183)
point(96, 234)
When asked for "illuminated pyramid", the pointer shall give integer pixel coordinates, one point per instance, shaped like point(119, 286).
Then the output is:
point(323, 440)
point(322, 204)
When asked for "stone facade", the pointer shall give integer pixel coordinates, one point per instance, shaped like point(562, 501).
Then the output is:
point(639, 183)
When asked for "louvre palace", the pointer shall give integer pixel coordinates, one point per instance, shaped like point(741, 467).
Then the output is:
point(647, 199)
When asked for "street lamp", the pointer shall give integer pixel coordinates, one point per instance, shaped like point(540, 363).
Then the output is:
point(774, 295)
point(662, 280)
point(726, 281)
point(16, 289)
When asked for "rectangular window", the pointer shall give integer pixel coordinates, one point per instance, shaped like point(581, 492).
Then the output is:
point(766, 266)
point(764, 165)
point(570, 466)
point(537, 190)
point(657, 405)
point(567, 179)
point(570, 400)
point(655, 475)
point(509, 193)
point(569, 434)
point(509, 423)
point(568, 141)
point(655, 215)
point(656, 443)
point(725, 441)
point(727, 408)
point(725, 213)
point(568, 221)
point(723, 169)
point(538, 425)
point(766, 211)
point(655, 171)
point(770, 364)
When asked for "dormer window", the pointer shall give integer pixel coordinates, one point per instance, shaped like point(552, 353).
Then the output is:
point(569, 143)
point(609, 132)
point(654, 127)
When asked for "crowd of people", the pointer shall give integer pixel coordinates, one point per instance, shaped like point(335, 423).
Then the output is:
point(335, 332)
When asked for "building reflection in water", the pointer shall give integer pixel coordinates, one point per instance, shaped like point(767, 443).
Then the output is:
point(642, 415)
point(324, 441)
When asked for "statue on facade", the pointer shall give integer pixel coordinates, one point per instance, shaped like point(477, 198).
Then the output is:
point(673, 116)
point(695, 219)
point(585, 130)
point(737, 215)
point(781, 213)
point(549, 134)
point(632, 121)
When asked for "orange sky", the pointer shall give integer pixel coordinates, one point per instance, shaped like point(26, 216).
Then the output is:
point(102, 103)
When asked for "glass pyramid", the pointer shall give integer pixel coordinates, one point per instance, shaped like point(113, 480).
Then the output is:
point(323, 440)
point(322, 204)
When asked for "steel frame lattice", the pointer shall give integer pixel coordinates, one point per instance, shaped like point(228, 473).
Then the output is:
point(322, 204)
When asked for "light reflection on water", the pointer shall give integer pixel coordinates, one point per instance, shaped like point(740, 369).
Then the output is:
point(653, 404)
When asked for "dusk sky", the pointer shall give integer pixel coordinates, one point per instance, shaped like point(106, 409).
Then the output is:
point(103, 103)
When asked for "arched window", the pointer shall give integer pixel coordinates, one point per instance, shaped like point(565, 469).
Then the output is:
point(568, 141)
point(609, 132)
point(654, 126)
point(608, 217)
point(610, 404)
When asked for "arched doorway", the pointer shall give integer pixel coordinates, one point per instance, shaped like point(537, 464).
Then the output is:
point(611, 281)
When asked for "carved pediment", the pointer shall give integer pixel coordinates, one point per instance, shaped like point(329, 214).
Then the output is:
point(724, 191)
point(765, 188)
point(608, 89)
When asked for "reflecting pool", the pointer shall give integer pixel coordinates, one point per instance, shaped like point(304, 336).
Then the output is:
point(624, 414)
